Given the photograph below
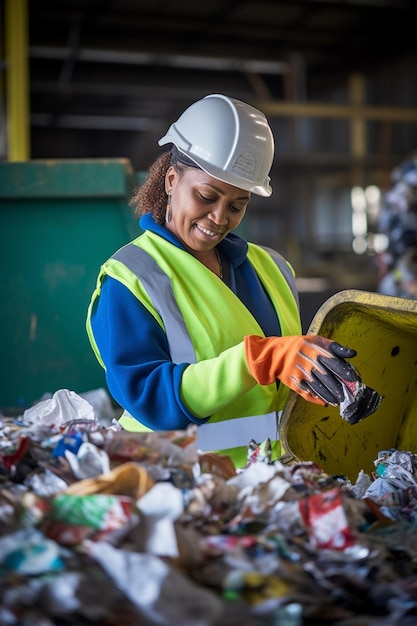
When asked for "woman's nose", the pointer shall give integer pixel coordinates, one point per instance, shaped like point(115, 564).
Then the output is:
point(219, 214)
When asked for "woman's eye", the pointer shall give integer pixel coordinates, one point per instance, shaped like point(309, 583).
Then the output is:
point(206, 199)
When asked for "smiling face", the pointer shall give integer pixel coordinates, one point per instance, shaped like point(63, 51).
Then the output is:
point(204, 210)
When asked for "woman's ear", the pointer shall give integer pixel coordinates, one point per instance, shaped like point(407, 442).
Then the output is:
point(171, 178)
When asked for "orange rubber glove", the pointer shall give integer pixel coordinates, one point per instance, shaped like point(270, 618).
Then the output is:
point(311, 365)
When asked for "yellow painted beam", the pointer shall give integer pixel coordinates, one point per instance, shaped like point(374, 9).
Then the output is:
point(2, 93)
point(17, 82)
point(357, 121)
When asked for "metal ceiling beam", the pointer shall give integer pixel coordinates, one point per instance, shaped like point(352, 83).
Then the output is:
point(221, 64)
point(276, 108)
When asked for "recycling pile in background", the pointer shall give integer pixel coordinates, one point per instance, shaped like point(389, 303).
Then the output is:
point(398, 221)
point(101, 526)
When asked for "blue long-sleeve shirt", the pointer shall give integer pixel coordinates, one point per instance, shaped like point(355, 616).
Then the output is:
point(139, 371)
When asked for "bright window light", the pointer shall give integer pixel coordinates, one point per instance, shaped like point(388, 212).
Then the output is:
point(358, 200)
point(359, 224)
point(359, 245)
point(372, 194)
point(378, 243)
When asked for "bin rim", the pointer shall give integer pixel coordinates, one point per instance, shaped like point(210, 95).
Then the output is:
point(367, 299)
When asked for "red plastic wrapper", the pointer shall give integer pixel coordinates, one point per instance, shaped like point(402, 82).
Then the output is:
point(325, 519)
point(12, 459)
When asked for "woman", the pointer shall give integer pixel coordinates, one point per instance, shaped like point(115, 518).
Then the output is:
point(192, 323)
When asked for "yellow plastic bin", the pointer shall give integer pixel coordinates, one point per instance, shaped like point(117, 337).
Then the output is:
point(383, 331)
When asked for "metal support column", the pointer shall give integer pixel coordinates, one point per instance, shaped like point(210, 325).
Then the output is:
point(17, 82)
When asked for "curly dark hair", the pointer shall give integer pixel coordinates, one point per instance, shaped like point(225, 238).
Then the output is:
point(150, 197)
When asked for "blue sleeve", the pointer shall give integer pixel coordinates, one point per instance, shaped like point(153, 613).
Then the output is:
point(139, 372)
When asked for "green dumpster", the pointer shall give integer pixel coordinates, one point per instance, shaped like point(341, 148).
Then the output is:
point(59, 220)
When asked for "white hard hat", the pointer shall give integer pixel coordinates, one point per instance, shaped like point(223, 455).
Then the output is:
point(228, 139)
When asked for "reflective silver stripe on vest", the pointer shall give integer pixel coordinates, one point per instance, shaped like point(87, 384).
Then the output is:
point(159, 287)
point(285, 270)
point(237, 432)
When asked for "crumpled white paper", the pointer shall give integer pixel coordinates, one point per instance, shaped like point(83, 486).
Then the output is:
point(64, 406)
point(89, 461)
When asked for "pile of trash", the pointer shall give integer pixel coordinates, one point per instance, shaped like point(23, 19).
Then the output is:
point(101, 526)
point(398, 222)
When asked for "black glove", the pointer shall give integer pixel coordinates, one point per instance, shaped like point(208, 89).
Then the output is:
point(343, 385)
point(327, 382)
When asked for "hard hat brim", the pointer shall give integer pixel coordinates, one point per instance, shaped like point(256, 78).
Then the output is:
point(264, 190)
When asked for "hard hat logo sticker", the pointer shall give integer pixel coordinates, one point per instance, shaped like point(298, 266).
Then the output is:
point(245, 165)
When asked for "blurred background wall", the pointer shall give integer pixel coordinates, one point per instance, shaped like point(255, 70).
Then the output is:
point(102, 79)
